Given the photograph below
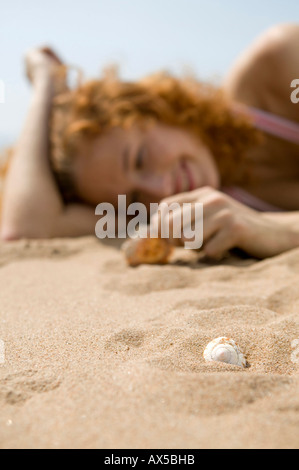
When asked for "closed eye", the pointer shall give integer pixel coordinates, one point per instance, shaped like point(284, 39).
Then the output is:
point(139, 161)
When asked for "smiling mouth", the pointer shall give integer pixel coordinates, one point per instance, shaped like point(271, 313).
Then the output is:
point(189, 175)
point(184, 179)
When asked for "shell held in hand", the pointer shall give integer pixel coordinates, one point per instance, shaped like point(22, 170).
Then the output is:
point(147, 251)
point(225, 350)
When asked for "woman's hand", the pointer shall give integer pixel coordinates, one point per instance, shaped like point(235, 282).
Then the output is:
point(42, 64)
point(229, 224)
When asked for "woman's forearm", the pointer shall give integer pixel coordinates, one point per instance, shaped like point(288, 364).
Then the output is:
point(288, 218)
point(288, 225)
point(31, 200)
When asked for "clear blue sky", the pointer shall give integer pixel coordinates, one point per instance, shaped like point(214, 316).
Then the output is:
point(141, 35)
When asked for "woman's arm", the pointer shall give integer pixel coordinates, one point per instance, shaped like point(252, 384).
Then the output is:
point(32, 204)
point(286, 219)
point(229, 224)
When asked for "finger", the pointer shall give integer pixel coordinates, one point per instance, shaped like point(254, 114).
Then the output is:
point(180, 223)
point(218, 245)
point(205, 224)
point(190, 196)
point(47, 50)
point(162, 223)
point(205, 216)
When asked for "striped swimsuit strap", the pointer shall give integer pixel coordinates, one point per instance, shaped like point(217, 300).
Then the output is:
point(272, 124)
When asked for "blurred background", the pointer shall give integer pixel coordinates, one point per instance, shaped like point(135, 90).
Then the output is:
point(142, 36)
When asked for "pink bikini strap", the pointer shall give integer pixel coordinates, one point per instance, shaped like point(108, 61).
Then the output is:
point(270, 123)
point(249, 200)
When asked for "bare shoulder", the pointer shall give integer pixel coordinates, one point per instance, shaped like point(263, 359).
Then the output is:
point(266, 69)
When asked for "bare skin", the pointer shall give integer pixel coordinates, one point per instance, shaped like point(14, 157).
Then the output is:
point(147, 165)
point(261, 78)
point(32, 204)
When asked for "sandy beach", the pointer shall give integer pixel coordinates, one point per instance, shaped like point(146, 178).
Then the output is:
point(99, 355)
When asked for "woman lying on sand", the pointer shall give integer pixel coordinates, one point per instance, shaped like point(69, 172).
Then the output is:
point(164, 139)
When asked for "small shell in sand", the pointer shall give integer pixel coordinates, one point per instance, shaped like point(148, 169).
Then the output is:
point(147, 251)
point(224, 350)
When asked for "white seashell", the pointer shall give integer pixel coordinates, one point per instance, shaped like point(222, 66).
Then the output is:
point(224, 350)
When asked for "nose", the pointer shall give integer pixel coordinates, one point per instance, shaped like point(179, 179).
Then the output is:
point(155, 185)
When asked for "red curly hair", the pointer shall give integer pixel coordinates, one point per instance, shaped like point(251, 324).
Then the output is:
point(98, 105)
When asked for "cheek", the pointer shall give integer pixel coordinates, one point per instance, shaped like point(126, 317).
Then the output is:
point(162, 153)
point(88, 190)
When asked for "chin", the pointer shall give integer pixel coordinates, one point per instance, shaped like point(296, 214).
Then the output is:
point(213, 180)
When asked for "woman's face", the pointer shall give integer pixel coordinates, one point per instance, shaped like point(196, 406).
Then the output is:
point(146, 165)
